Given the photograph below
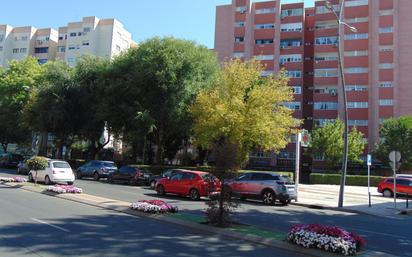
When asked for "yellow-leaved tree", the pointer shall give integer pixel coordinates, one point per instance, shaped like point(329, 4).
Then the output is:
point(241, 111)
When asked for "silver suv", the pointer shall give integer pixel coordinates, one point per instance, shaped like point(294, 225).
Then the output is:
point(266, 186)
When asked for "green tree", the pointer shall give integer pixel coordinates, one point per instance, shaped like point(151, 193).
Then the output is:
point(241, 111)
point(162, 78)
point(53, 106)
point(328, 140)
point(35, 164)
point(396, 135)
point(16, 84)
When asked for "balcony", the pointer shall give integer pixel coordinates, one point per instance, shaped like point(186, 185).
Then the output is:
point(357, 44)
point(292, 50)
point(264, 33)
point(264, 49)
point(291, 34)
point(240, 32)
point(265, 18)
point(325, 80)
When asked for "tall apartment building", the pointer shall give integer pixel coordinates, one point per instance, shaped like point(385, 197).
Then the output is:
point(104, 38)
point(377, 59)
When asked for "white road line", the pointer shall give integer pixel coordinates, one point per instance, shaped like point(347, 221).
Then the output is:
point(51, 225)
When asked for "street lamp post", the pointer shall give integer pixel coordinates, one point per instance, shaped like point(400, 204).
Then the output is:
point(340, 22)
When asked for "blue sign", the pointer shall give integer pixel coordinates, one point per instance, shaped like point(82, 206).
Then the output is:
point(369, 161)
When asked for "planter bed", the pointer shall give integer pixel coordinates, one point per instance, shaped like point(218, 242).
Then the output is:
point(13, 179)
point(64, 189)
point(154, 206)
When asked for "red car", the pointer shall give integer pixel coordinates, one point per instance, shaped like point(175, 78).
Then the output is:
point(403, 186)
point(194, 184)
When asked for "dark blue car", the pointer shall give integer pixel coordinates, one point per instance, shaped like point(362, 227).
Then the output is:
point(96, 169)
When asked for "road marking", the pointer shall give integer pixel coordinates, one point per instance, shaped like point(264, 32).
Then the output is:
point(51, 225)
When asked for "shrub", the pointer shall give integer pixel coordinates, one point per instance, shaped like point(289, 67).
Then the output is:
point(37, 163)
point(351, 180)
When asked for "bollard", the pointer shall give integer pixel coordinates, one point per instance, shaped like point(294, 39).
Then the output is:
point(369, 193)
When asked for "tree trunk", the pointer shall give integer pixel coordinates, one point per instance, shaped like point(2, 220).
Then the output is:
point(159, 150)
point(221, 199)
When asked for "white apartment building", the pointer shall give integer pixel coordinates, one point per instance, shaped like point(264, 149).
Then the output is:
point(104, 38)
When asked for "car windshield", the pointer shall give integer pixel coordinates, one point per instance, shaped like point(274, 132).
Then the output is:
point(108, 164)
point(61, 165)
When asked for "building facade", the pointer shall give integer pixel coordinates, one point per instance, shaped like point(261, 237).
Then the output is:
point(105, 38)
point(377, 58)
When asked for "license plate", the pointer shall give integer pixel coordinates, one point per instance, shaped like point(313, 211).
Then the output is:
point(62, 171)
point(146, 176)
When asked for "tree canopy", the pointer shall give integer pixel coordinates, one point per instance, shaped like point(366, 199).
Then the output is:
point(328, 140)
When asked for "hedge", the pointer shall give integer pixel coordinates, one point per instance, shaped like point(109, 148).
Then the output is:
point(351, 180)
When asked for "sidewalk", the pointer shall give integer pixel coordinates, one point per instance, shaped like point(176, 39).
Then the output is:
point(355, 199)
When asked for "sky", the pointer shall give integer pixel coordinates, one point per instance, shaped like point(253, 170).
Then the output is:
point(187, 19)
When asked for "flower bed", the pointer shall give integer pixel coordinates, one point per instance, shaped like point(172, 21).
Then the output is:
point(153, 206)
point(63, 189)
point(329, 238)
point(13, 179)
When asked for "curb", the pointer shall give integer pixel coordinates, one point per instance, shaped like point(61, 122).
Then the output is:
point(318, 206)
point(124, 208)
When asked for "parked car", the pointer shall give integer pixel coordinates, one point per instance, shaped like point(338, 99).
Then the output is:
point(194, 184)
point(266, 186)
point(22, 167)
point(57, 171)
point(134, 175)
point(96, 169)
point(10, 160)
point(403, 186)
point(167, 173)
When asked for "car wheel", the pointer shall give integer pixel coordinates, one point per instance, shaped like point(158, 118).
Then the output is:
point(47, 180)
point(285, 202)
point(153, 184)
point(70, 183)
point(387, 193)
point(268, 197)
point(110, 180)
point(160, 190)
point(30, 177)
point(96, 176)
point(194, 194)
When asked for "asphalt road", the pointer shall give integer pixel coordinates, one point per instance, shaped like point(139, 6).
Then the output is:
point(391, 235)
point(33, 224)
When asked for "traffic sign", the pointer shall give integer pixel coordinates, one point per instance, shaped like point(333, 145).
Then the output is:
point(369, 160)
point(395, 156)
point(305, 138)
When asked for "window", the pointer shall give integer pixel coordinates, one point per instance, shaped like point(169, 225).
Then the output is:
point(263, 41)
point(355, 53)
point(79, 34)
point(86, 29)
point(241, 9)
point(356, 36)
point(73, 34)
point(265, 10)
point(322, 122)
point(239, 39)
point(385, 48)
point(326, 40)
point(288, 43)
point(71, 61)
point(86, 43)
point(385, 65)
point(322, 9)
point(265, 26)
point(291, 27)
point(326, 56)
point(286, 155)
point(291, 12)
point(386, 30)
point(61, 49)
point(327, 72)
point(118, 48)
point(355, 105)
point(325, 106)
point(72, 47)
point(239, 24)
point(326, 90)
point(385, 12)
point(356, 3)
point(385, 102)
point(238, 54)
point(355, 70)
point(23, 50)
point(15, 50)
point(297, 90)
point(266, 73)
point(264, 57)
point(24, 38)
point(1, 38)
point(1, 48)
point(293, 73)
point(385, 84)
point(357, 122)
point(41, 50)
point(357, 19)
point(290, 58)
point(326, 24)
point(351, 88)
point(292, 105)
point(42, 61)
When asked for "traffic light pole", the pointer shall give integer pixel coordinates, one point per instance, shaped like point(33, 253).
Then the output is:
point(297, 164)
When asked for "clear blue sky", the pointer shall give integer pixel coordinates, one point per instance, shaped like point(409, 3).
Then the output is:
point(188, 19)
